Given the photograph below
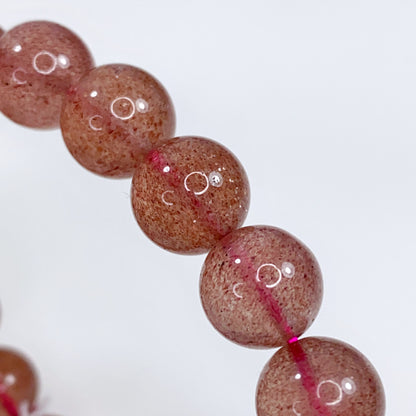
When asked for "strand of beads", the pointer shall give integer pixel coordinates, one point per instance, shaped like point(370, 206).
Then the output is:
point(260, 286)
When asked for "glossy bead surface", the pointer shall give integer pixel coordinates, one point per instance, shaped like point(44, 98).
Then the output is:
point(319, 377)
point(261, 287)
point(18, 382)
point(39, 61)
point(114, 116)
point(189, 193)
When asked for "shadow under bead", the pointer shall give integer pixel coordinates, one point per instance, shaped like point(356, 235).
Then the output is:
point(39, 61)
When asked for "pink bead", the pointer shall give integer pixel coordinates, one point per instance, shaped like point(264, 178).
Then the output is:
point(114, 116)
point(189, 193)
point(319, 377)
point(38, 63)
point(261, 287)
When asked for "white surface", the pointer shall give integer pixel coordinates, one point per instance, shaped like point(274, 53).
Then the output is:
point(317, 99)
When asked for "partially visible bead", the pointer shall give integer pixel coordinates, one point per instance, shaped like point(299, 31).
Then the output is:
point(319, 377)
point(38, 63)
point(260, 287)
point(189, 193)
point(1, 32)
point(18, 382)
point(114, 116)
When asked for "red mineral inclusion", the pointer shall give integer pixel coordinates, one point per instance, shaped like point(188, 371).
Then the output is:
point(18, 383)
point(39, 61)
point(261, 287)
point(319, 377)
point(189, 193)
point(114, 116)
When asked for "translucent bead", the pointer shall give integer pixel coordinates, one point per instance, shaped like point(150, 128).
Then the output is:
point(18, 383)
point(319, 377)
point(114, 116)
point(261, 287)
point(38, 63)
point(189, 193)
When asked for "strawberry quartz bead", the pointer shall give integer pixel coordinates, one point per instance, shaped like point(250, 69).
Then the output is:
point(189, 193)
point(319, 377)
point(114, 116)
point(38, 63)
point(261, 287)
point(18, 383)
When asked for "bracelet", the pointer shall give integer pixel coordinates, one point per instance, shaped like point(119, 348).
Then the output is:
point(260, 286)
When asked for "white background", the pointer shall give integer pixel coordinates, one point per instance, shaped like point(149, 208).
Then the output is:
point(318, 100)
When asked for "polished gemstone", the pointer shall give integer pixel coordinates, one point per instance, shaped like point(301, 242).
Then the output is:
point(39, 61)
point(18, 383)
point(189, 193)
point(319, 377)
point(261, 287)
point(114, 116)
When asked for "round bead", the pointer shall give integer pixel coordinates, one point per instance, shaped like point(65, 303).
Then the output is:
point(18, 382)
point(38, 63)
point(189, 193)
point(261, 287)
point(114, 116)
point(319, 377)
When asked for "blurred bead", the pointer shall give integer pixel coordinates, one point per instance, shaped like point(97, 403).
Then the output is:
point(319, 377)
point(189, 193)
point(114, 116)
point(18, 382)
point(38, 63)
point(261, 287)
point(1, 32)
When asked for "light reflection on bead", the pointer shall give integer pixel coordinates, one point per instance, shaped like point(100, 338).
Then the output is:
point(18, 79)
point(348, 386)
point(63, 61)
point(274, 278)
point(235, 288)
point(330, 401)
point(95, 122)
point(196, 191)
point(288, 269)
point(7, 381)
point(164, 197)
point(215, 179)
point(42, 67)
point(142, 106)
point(122, 108)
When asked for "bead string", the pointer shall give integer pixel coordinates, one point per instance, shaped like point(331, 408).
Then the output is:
point(7, 402)
point(237, 255)
point(298, 354)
